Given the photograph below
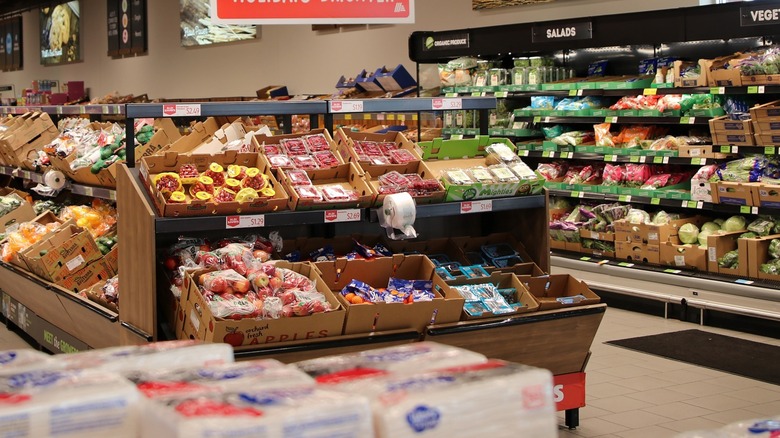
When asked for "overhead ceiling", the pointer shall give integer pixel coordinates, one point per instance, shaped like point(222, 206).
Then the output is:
point(11, 7)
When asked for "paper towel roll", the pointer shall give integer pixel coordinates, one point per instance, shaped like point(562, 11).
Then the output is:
point(55, 179)
point(399, 212)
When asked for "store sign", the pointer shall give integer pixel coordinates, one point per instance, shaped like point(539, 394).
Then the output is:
point(181, 110)
point(563, 32)
point(569, 391)
point(311, 12)
point(759, 15)
point(447, 41)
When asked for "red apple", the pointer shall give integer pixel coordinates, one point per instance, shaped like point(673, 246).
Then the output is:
point(275, 283)
point(170, 263)
point(260, 280)
point(289, 297)
point(287, 311)
point(241, 286)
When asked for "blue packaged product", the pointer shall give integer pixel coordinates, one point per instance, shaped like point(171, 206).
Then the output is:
point(506, 261)
point(498, 306)
point(362, 290)
point(475, 258)
point(451, 266)
point(598, 68)
point(294, 256)
point(509, 294)
point(498, 250)
point(444, 273)
point(476, 308)
point(475, 271)
point(648, 66)
point(439, 259)
point(324, 254)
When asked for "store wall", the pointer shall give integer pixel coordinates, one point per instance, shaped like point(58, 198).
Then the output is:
point(305, 61)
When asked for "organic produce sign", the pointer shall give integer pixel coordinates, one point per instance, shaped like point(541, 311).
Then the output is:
point(312, 12)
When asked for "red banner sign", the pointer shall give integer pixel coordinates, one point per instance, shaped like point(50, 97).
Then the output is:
point(569, 391)
point(312, 11)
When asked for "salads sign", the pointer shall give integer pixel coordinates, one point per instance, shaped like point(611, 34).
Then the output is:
point(312, 11)
point(582, 30)
point(759, 15)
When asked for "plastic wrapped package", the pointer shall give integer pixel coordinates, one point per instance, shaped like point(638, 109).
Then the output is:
point(72, 403)
point(278, 413)
point(24, 236)
point(552, 171)
point(15, 361)
point(403, 359)
point(603, 136)
point(452, 402)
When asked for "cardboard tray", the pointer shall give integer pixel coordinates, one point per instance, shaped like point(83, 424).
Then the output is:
point(346, 146)
point(23, 213)
point(734, 193)
point(501, 280)
point(19, 145)
point(758, 255)
point(200, 323)
point(260, 140)
point(84, 175)
point(345, 175)
point(419, 168)
point(684, 256)
point(719, 244)
point(768, 112)
point(547, 289)
point(638, 252)
point(67, 250)
point(93, 293)
point(45, 218)
point(475, 190)
point(766, 195)
point(100, 270)
point(171, 162)
point(371, 317)
point(166, 133)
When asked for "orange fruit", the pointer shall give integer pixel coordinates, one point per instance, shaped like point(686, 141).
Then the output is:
point(357, 300)
point(349, 297)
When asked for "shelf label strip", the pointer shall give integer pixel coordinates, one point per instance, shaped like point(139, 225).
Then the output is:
point(347, 106)
point(444, 104)
point(333, 216)
point(253, 221)
point(476, 206)
point(181, 110)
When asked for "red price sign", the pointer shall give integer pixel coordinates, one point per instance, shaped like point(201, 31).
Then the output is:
point(181, 110)
point(476, 206)
point(255, 221)
point(346, 106)
point(311, 12)
point(352, 215)
point(569, 391)
point(447, 104)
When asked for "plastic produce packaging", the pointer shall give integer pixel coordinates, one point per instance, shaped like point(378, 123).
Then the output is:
point(293, 412)
point(496, 398)
point(72, 403)
point(403, 359)
point(14, 361)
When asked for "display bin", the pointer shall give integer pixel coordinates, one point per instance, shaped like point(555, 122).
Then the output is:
point(61, 253)
point(166, 133)
point(719, 244)
point(45, 218)
point(768, 112)
point(375, 317)
point(734, 193)
point(651, 233)
point(501, 280)
point(345, 141)
point(94, 294)
point(23, 213)
point(424, 172)
point(21, 144)
point(638, 252)
point(766, 127)
point(94, 272)
point(347, 176)
point(549, 290)
point(758, 254)
point(172, 162)
point(684, 256)
point(200, 323)
point(765, 195)
point(259, 141)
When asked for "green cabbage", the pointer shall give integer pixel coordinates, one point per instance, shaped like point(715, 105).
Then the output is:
point(734, 223)
point(637, 216)
point(661, 218)
point(719, 221)
point(710, 226)
point(703, 236)
point(689, 233)
point(730, 260)
point(748, 235)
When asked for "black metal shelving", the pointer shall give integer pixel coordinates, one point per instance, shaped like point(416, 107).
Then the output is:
point(692, 120)
point(502, 91)
point(66, 110)
point(612, 158)
point(79, 189)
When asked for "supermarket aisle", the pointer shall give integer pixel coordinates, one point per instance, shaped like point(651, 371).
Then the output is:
point(636, 395)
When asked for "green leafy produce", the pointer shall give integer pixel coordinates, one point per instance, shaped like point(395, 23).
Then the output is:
point(661, 218)
point(774, 249)
point(703, 234)
point(734, 223)
point(730, 260)
point(637, 216)
point(772, 267)
point(710, 226)
point(761, 226)
point(719, 221)
point(689, 233)
point(748, 235)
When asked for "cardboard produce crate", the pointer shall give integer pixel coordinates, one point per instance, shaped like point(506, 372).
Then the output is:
point(418, 168)
point(768, 112)
point(21, 144)
point(84, 175)
point(200, 132)
point(171, 162)
point(734, 139)
point(261, 140)
point(346, 175)
point(766, 127)
point(370, 317)
point(724, 126)
point(23, 213)
point(166, 133)
point(44, 218)
point(653, 234)
point(94, 294)
point(767, 195)
point(638, 252)
point(719, 244)
point(758, 255)
point(548, 289)
point(501, 280)
point(701, 151)
point(769, 138)
point(346, 146)
point(734, 193)
point(684, 256)
point(595, 235)
point(200, 323)
point(87, 276)
point(61, 253)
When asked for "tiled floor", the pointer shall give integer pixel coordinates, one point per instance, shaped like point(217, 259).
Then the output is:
point(636, 395)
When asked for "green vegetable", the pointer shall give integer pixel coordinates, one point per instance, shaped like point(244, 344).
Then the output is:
point(773, 267)
point(761, 226)
point(734, 223)
point(710, 226)
point(105, 152)
point(774, 249)
point(97, 167)
point(689, 233)
point(661, 218)
point(729, 260)
point(719, 221)
point(748, 235)
point(703, 234)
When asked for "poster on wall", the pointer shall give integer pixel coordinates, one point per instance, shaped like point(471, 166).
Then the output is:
point(126, 24)
point(492, 4)
point(60, 38)
point(138, 25)
point(112, 23)
point(4, 35)
point(197, 29)
point(16, 47)
point(312, 12)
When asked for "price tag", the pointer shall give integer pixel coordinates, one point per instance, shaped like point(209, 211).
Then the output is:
point(547, 154)
point(401, 118)
point(612, 158)
point(59, 110)
point(744, 209)
point(347, 116)
point(658, 160)
point(626, 264)
point(524, 153)
point(346, 106)
point(501, 94)
point(456, 137)
point(698, 161)
point(633, 159)
point(735, 149)
point(769, 150)
point(181, 110)
point(572, 92)
point(391, 117)
point(451, 95)
point(537, 119)
point(446, 104)
point(655, 201)
point(332, 216)
point(643, 159)
point(666, 160)
point(756, 89)
point(112, 195)
point(478, 94)
point(624, 198)
point(741, 281)
point(366, 116)
point(699, 204)
point(603, 262)
point(105, 109)
point(672, 271)
point(575, 194)
point(585, 259)
point(611, 120)
point(89, 191)
point(650, 91)
point(254, 221)
point(83, 109)
point(547, 120)
point(570, 155)
point(725, 149)
point(692, 204)
point(684, 204)
point(718, 90)
point(754, 210)
point(687, 120)
point(476, 206)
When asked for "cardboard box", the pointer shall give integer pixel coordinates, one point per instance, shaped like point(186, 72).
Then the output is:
point(345, 175)
point(733, 138)
point(201, 324)
point(650, 233)
point(595, 235)
point(171, 162)
point(701, 190)
point(679, 81)
point(61, 253)
point(87, 276)
point(421, 169)
point(200, 132)
point(758, 254)
point(761, 80)
point(725, 125)
point(165, 134)
point(476, 243)
point(718, 75)
point(94, 294)
point(23, 213)
point(638, 252)
point(734, 193)
point(765, 127)
point(84, 175)
point(112, 258)
point(25, 137)
point(701, 151)
point(625, 231)
point(346, 146)
point(260, 140)
point(766, 195)
point(770, 138)
point(549, 288)
point(502, 280)
point(475, 190)
point(719, 244)
point(684, 256)
point(767, 112)
point(44, 218)
point(371, 317)
point(557, 244)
